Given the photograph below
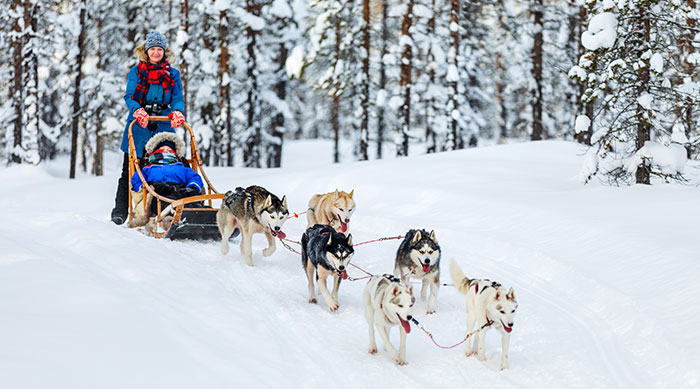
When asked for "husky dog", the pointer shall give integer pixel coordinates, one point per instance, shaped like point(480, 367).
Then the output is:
point(333, 209)
point(387, 303)
point(487, 301)
point(325, 252)
point(252, 210)
point(418, 257)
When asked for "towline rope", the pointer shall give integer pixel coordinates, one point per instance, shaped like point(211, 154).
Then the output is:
point(295, 215)
point(488, 324)
point(379, 240)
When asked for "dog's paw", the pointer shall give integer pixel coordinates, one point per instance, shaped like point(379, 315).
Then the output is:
point(224, 248)
point(481, 357)
point(372, 350)
point(504, 365)
point(333, 307)
point(268, 251)
point(469, 353)
point(430, 311)
point(400, 362)
point(313, 300)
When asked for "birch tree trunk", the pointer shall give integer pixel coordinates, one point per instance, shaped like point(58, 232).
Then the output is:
point(16, 90)
point(251, 152)
point(382, 76)
point(364, 86)
point(577, 28)
point(76, 92)
point(224, 123)
point(643, 125)
point(335, 95)
point(406, 45)
point(454, 135)
point(184, 27)
point(537, 130)
point(30, 136)
point(430, 136)
point(274, 149)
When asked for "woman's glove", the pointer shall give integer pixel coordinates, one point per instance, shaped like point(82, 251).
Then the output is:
point(142, 117)
point(176, 119)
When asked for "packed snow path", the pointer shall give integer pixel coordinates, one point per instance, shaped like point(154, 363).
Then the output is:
point(605, 280)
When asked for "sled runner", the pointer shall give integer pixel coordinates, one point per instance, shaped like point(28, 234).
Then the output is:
point(192, 217)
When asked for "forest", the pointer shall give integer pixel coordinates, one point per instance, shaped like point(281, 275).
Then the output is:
point(617, 76)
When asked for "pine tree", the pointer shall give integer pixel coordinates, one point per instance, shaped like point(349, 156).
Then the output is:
point(624, 74)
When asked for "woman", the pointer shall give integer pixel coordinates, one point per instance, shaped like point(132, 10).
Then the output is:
point(154, 88)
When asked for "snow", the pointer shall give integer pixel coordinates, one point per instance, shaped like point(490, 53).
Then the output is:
point(577, 72)
point(582, 123)
point(256, 23)
point(605, 279)
point(601, 32)
point(670, 159)
point(281, 9)
point(295, 62)
point(645, 100)
point(656, 63)
point(222, 5)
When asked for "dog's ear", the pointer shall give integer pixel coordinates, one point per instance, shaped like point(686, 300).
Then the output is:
point(511, 294)
point(349, 239)
point(330, 239)
point(395, 290)
point(498, 295)
point(410, 290)
point(268, 201)
point(352, 192)
point(284, 201)
point(432, 236)
point(417, 237)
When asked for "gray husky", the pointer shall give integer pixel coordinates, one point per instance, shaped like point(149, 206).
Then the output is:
point(418, 257)
point(388, 302)
point(252, 210)
point(325, 252)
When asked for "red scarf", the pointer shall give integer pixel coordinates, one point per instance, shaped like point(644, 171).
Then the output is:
point(151, 74)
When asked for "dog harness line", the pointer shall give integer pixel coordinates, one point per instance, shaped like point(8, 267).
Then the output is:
point(487, 324)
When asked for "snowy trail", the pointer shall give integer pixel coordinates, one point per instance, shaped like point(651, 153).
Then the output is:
point(83, 301)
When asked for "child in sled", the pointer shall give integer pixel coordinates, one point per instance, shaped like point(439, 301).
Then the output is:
point(166, 174)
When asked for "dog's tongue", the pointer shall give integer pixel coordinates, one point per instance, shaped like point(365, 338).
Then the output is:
point(508, 329)
point(343, 227)
point(281, 234)
point(406, 326)
point(344, 274)
point(426, 268)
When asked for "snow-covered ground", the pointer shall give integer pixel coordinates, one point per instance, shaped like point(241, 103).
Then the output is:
point(606, 280)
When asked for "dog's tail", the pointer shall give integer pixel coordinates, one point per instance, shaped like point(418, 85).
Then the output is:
point(458, 278)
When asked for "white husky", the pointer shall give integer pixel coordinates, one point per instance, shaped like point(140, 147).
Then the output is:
point(487, 301)
point(388, 303)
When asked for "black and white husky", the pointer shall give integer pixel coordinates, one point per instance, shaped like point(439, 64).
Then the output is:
point(487, 301)
point(325, 252)
point(418, 257)
point(388, 303)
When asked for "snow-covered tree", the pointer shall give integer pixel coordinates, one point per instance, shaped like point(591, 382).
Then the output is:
point(627, 75)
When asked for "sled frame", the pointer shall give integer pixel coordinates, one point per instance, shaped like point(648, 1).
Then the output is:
point(176, 206)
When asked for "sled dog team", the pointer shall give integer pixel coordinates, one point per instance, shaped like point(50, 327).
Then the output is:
point(326, 250)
